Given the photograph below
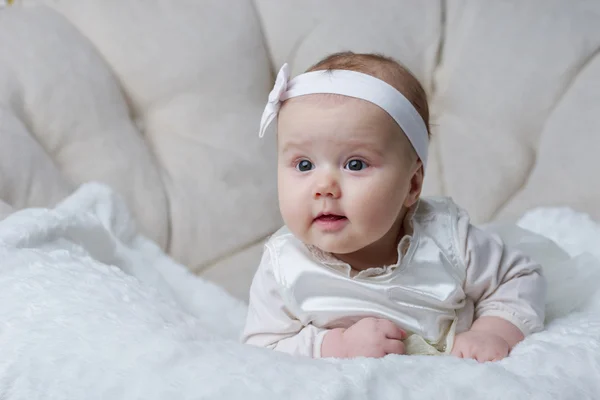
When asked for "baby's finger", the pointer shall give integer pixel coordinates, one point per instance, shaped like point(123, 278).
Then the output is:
point(497, 357)
point(483, 356)
point(457, 352)
point(467, 353)
point(392, 346)
point(391, 330)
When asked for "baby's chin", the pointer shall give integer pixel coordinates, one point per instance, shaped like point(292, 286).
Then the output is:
point(334, 246)
point(335, 243)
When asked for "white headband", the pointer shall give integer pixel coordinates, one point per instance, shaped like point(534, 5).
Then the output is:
point(351, 84)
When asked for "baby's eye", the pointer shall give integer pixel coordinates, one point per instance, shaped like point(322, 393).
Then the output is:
point(304, 166)
point(356, 165)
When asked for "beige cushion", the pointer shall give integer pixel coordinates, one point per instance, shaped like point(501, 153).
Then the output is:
point(163, 109)
point(161, 100)
point(65, 120)
point(505, 73)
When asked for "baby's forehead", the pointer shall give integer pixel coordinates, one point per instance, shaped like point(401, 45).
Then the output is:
point(315, 109)
point(329, 105)
point(338, 135)
point(312, 120)
point(322, 99)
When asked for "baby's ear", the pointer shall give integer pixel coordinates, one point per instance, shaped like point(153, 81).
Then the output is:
point(416, 185)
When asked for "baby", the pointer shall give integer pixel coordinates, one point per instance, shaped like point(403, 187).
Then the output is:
point(365, 266)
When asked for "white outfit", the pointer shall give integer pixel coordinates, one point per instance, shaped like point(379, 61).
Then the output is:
point(448, 274)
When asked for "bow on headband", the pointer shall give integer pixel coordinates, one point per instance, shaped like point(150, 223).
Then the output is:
point(274, 101)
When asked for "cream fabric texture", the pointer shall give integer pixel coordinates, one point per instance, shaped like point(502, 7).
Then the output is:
point(162, 101)
point(448, 273)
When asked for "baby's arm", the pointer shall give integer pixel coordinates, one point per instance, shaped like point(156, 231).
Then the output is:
point(271, 324)
point(506, 286)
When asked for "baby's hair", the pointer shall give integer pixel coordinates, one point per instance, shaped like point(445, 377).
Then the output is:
point(385, 68)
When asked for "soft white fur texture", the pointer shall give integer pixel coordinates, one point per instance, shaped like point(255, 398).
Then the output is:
point(89, 309)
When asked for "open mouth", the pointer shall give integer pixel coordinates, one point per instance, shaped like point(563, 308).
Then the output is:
point(326, 217)
point(330, 223)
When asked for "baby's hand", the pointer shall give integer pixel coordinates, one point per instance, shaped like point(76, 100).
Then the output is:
point(481, 346)
point(369, 337)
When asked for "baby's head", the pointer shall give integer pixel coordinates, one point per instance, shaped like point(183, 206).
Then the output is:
point(347, 172)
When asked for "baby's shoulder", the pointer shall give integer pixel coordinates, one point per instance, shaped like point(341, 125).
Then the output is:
point(433, 206)
point(281, 235)
point(287, 255)
point(283, 238)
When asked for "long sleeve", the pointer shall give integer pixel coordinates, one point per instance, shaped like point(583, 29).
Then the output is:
point(271, 324)
point(501, 282)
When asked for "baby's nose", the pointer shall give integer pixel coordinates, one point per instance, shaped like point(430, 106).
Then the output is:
point(327, 186)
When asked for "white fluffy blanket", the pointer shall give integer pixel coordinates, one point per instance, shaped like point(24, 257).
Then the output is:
point(91, 310)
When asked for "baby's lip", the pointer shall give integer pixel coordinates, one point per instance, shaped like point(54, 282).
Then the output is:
point(326, 215)
point(329, 222)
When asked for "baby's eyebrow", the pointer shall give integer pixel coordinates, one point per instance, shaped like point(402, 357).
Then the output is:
point(293, 145)
point(367, 146)
point(350, 145)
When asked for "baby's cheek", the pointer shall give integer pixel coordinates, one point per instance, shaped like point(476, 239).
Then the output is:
point(286, 206)
point(293, 208)
point(376, 206)
point(380, 220)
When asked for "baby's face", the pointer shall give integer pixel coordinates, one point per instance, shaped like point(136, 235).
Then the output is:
point(345, 172)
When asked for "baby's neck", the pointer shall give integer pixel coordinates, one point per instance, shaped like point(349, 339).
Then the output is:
point(370, 258)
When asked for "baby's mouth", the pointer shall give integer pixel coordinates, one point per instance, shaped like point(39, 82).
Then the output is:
point(330, 223)
point(326, 217)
